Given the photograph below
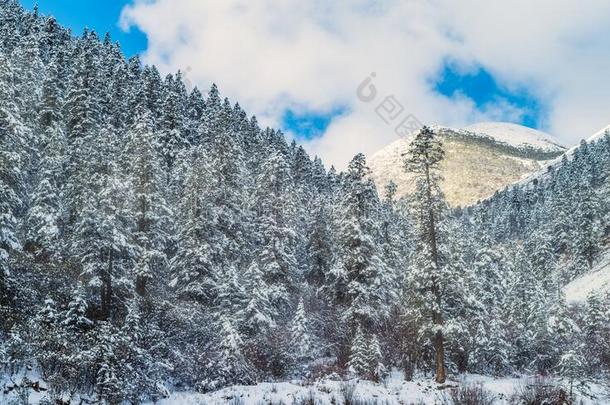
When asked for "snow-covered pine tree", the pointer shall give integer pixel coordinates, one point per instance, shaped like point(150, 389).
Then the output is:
point(231, 295)
point(462, 289)
point(13, 141)
point(173, 134)
point(365, 359)
point(274, 207)
point(153, 216)
point(358, 363)
point(75, 318)
point(572, 368)
point(422, 160)
point(144, 379)
point(596, 331)
point(564, 330)
point(587, 232)
point(378, 370)
point(108, 385)
point(30, 72)
point(491, 351)
point(319, 245)
point(301, 338)
point(259, 314)
point(230, 365)
point(103, 240)
point(47, 208)
point(360, 281)
point(192, 269)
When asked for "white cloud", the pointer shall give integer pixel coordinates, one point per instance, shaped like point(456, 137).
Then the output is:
point(270, 54)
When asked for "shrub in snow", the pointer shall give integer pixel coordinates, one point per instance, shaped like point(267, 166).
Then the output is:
point(540, 392)
point(236, 401)
point(348, 391)
point(473, 394)
point(307, 399)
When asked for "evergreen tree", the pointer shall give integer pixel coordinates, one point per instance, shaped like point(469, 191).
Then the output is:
point(358, 363)
point(274, 207)
point(378, 370)
point(230, 366)
point(153, 217)
point(301, 339)
point(47, 208)
point(13, 139)
point(193, 271)
point(259, 314)
point(595, 330)
point(75, 318)
point(572, 367)
point(359, 278)
point(319, 245)
point(422, 161)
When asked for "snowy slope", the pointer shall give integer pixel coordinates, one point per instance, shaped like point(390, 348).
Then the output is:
point(597, 280)
point(516, 135)
point(590, 139)
point(477, 163)
point(557, 161)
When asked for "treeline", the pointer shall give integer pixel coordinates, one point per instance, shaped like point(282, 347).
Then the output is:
point(152, 237)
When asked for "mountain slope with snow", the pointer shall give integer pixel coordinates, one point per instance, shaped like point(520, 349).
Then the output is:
point(516, 135)
point(595, 281)
point(480, 159)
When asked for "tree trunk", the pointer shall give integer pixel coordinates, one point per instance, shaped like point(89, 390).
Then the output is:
point(143, 228)
point(439, 348)
point(140, 286)
point(106, 289)
point(437, 316)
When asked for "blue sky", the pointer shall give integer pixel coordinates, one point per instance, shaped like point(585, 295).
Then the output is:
point(479, 85)
point(309, 124)
point(101, 16)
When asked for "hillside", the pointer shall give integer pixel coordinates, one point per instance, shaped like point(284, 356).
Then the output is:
point(480, 159)
point(597, 280)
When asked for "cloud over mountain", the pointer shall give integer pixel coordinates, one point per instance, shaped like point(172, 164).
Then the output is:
point(310, 56)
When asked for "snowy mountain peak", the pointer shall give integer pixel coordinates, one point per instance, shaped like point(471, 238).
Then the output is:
point(516, 135)
point(480, 159)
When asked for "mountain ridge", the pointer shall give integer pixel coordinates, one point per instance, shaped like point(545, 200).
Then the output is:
point(477, 163)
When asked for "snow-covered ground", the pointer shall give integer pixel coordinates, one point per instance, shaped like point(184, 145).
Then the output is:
point(395, 390)
point(598, 280)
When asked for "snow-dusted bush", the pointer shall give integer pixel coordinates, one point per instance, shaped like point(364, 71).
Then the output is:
point(473, 394)
point(541, 392)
